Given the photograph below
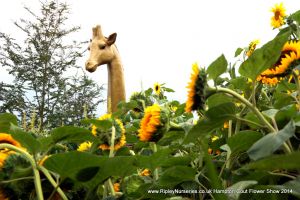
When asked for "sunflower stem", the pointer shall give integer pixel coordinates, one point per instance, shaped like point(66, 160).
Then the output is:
point(154, 149)
point(111, 155)
point(253, 108)
point(36, 174)
point(253, 93)
point(112, 142)
point(228, 163)
point(295, 75)
point(52, 181)
point(174, 126)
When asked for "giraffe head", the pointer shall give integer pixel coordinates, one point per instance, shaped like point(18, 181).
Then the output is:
point(101, 51)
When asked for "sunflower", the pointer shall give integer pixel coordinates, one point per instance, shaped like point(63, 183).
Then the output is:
point(3, 156)
point(145, 172)
point(116, 187)
point(3, 195)
point(277, 19)
point(289, 58)
point(84, 146)
point(120, 138)
point(150, 124)
point(196, 89)
point(157, 88)
point(7, 138)
point(252, 47)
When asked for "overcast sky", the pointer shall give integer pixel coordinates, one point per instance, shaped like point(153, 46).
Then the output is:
point(158, 40)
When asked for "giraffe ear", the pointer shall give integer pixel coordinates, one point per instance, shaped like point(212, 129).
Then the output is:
point(111, 39)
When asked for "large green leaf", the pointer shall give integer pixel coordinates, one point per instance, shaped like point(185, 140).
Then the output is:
point(243, 140)
point(71, 134)
point(271, 113)
point(217, 99)
point(5, 120)
point(26, 139)
point(119, 166)
point(263, 58)
point(271, 142)
point(275, 162)
point(175, 175)
point(201, 129)
point(215, 118)
point(217, 67)
point(171, 137)
point(290, 187)
point(155, 160)
point(222, 111)
point(71, 163)
point(239, 186)
point(296, 16)
point(102, 124)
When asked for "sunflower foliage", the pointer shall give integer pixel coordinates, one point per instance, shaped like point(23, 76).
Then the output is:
point(236, 139)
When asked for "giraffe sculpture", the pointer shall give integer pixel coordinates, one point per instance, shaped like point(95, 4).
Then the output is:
point(103, 51)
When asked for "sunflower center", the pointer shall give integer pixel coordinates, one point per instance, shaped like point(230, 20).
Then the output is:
point(6, 141)
point(277, 15)
point(156, 88)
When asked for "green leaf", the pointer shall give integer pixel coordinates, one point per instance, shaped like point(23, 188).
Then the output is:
point(271, 113)
point(243, 140)
point(71, 134)
point(294, 185)
point(222, 112)
point(102, 124)
point(271, 142)
point(216, 68)
point(296, 16)
point(215, 118)
point(71, 164)
point(26, 139)
point(168, 89)
point(90, 169)
point(201, 129)
point(119, 166)
point(238, 51)
point(238, 187)
point(217, 99)
point(172, 161)
point(175, 175)
point(5, 120)
point(240, 83)
point(171, 137)
point(263, 58)
point(275, 162)
point(155, 160)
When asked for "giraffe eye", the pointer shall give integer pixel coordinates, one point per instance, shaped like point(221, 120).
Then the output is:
point(88, 48)
point(101, 46)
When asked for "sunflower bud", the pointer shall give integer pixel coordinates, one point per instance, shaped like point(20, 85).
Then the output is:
point(105, 136)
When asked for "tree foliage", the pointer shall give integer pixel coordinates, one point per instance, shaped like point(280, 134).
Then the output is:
point(38, 64)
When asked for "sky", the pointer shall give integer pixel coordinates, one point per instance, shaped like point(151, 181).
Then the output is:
point(159, 40)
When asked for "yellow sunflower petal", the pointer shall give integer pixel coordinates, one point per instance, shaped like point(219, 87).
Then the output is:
point(149, 123)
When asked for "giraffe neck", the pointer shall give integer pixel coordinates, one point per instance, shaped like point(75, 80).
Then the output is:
point(116, 84)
